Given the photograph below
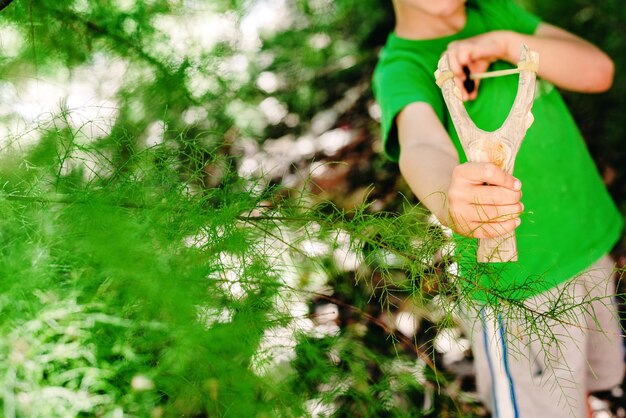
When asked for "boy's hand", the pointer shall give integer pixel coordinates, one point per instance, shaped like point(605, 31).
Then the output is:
point(475, 53)
point(483, 200)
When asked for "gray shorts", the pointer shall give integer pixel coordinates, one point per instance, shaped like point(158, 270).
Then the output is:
point(541, 360)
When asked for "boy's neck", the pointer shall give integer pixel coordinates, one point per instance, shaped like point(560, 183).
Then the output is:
point(413, 23)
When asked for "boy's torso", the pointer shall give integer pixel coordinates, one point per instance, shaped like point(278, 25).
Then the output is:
point(569, 221)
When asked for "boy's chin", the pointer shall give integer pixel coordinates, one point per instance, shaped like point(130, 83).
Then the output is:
point(441, 8)
point(446, 8)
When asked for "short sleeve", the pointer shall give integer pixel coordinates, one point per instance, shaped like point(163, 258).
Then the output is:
point(398, 82)
point(508, 14)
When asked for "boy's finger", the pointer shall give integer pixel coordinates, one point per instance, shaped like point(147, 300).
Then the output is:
point(461, 80)
point(493, 230)
point(476, 67)
point(455, 66)
point(496, 214)
point(463, 55)
point(495, 196)
point(486, 173)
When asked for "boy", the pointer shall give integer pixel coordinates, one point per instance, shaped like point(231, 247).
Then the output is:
point(566, 225)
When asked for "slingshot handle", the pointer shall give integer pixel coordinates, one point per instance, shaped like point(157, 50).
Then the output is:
point(497, 250)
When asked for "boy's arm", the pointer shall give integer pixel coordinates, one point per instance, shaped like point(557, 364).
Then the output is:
point(474, 199)
point(567, 61)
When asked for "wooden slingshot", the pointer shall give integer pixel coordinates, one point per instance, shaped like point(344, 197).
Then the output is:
point(500, 146)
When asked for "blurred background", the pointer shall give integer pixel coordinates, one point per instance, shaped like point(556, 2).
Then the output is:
point(198, 221)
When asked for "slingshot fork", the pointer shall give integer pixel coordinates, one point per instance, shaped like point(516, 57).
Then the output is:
point(500, 146)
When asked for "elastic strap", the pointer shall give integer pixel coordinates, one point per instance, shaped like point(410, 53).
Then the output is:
point(527, 65)
point(442, 77)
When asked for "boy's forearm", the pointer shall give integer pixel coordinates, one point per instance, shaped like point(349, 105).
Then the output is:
point(561, 52)
point(428, 171)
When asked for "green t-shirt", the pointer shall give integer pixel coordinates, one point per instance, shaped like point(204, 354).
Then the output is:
point(570, 220)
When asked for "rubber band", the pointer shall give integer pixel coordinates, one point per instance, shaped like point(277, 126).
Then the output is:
point(528, 65)
point(442, 77)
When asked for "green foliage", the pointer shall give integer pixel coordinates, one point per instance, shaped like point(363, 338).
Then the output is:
point(112, 291)
point(133, 293)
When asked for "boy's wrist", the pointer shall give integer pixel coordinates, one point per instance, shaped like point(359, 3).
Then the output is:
point(511, 43)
